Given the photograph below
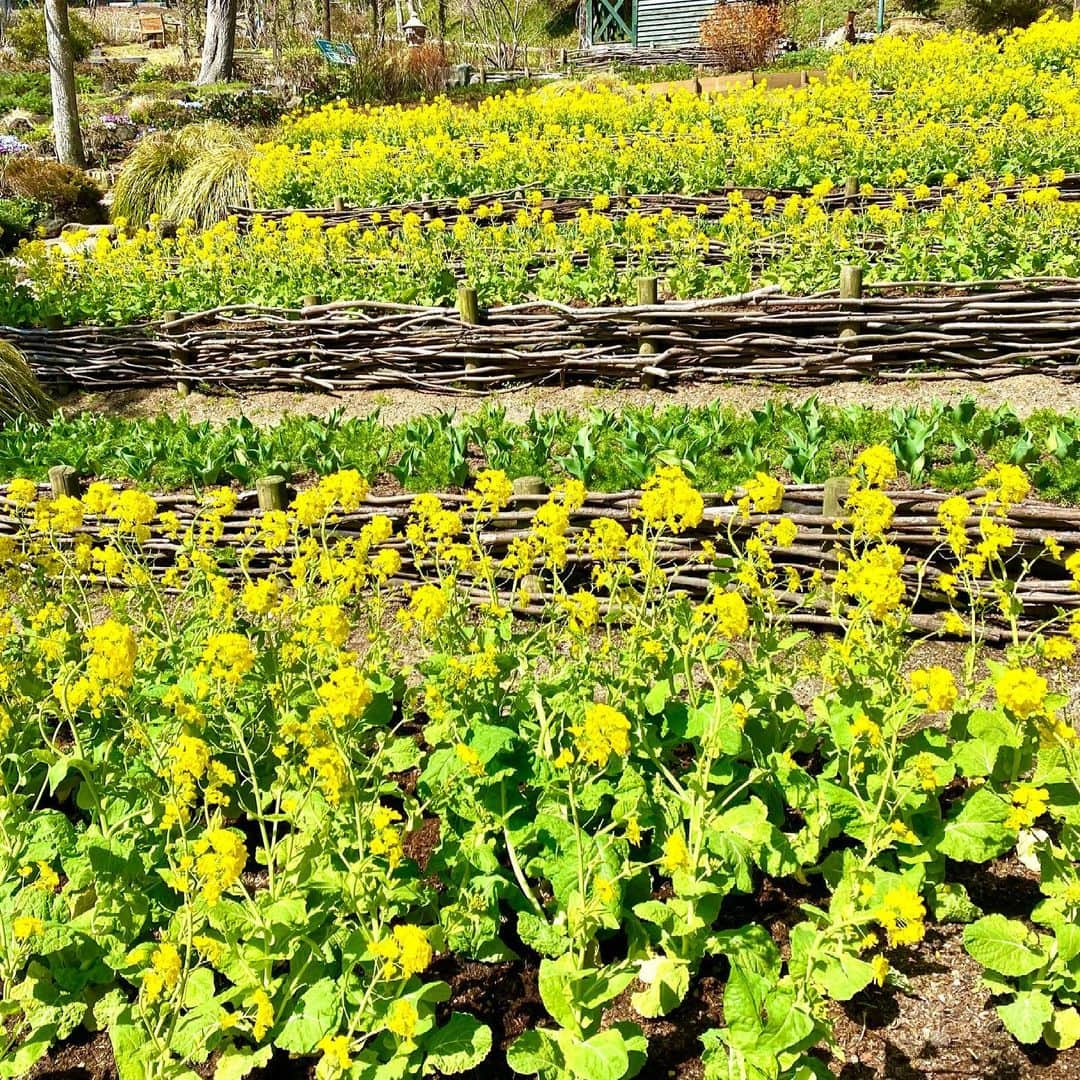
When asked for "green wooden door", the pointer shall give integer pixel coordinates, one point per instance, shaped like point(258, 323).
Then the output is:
point(613, 22)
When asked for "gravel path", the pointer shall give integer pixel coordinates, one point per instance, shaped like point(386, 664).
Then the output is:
point(1025, 393)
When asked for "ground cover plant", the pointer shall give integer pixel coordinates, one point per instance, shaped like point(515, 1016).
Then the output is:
point(945, 446)
point(598, 257)
point(265, 815)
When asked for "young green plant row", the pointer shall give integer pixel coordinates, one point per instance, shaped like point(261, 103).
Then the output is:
point(946, 446)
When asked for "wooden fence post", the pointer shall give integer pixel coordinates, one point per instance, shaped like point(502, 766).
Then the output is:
point(177, 353)
point(851, 288)
point(468, 305)
point(648, 295)
point(65, 481)
point(837, 489)
point(339, 204)
point(469, 309)
point(851, 188)
point(272, 493)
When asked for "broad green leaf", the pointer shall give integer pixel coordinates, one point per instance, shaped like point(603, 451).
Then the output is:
point(1027, 1015)
point(1004, 945)
point(1063, 1032)
point(554, 984)
point(950, 903)
point(977, 832)
point(459, 1045)
point(29, 1052)
point(666, 982)
point(316, 1014)
point(534, 1052)
point(603, 1057)
point(238, 1061)
point(540, 935)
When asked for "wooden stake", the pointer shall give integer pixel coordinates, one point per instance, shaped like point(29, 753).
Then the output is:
point(468, 305)
point(648, 295)
point(851, 288)
point(65, 481)
point(837, 490)
point(271, 492)
point(339, 204)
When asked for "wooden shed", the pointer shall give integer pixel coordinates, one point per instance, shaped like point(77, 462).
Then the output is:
point(645, 24)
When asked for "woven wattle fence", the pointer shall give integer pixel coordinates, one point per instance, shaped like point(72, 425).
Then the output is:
point(1000, 330)
point(708, 206)
point(1044, 587)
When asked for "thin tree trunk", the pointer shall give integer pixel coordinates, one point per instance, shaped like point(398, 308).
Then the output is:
point(220, 40)
point(326, 19)
point(66, 131)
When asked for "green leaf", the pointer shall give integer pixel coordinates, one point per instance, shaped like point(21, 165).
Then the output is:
point(534, 1052)
point(29, 1052)
point(237, 1061)
point(1004, 945)
point(1063, 1032)
point(950, 903)
point(666, 982)
point(318, 1013)
point(540, 935)
point(1027, 1015)
point(459, 1045)
point(603, 1057)
point(556, 992)
point(977, 832)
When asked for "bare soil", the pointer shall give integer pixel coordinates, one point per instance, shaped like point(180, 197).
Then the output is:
point(1025, 393)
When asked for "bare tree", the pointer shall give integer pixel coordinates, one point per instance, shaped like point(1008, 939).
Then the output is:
point(220, 41)
point(66, 130)
point(500, 24)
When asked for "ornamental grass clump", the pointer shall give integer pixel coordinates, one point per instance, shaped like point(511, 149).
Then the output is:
point(195, 173)
point(21, 395)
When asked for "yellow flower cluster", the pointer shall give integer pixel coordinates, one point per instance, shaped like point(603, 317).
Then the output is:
point(934, 688)
point(902, 914)
point(220, 860)
point(670, 501)
point(405, 952)
point(604, 731)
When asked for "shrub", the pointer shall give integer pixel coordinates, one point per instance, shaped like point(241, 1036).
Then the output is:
point(744, 34)
point(18, 217)
point(62, 190)
point(26, 91)
point(154, 71)
point(240, 105)
point(160, 112)
point(26, 35)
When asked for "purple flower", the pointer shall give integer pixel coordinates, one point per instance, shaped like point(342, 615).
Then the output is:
point(10, 145)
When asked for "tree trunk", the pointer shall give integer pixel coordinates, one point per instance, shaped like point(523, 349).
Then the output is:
point(66, 131)
point(326, 19)
point(220, 40)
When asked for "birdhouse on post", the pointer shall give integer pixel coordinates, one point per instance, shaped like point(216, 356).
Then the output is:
point(415, 31)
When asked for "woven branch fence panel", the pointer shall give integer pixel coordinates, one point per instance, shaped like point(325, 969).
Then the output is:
point(1042, 585)
point(1010, 328)
point(711, 205)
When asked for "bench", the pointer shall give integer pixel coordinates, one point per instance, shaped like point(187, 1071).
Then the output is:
point(152, 30)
